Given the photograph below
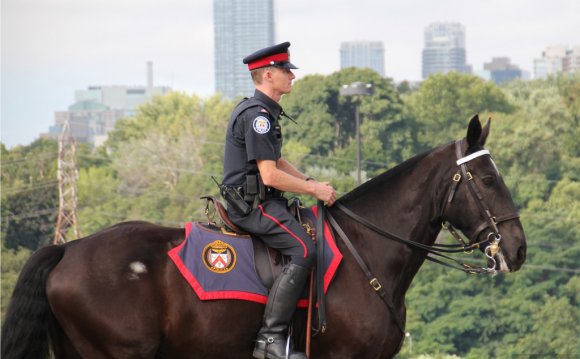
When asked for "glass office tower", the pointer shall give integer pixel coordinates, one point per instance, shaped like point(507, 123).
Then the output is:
point(444, 49)
point(240, 28)
point(363, 54)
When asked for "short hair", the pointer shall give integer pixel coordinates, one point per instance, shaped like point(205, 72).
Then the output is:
point(258, 73)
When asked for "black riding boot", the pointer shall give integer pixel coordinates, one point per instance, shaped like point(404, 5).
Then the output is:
point(271, 342)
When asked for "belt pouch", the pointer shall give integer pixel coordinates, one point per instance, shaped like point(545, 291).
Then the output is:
point(251, 189)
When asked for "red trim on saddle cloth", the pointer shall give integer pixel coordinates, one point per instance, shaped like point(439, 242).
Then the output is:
point(336, 259)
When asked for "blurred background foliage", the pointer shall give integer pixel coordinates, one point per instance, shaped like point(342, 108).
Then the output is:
point(157, 164)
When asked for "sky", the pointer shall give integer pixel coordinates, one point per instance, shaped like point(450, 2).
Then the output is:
point(50, 48)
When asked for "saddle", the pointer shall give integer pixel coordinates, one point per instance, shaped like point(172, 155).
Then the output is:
point(269, 262)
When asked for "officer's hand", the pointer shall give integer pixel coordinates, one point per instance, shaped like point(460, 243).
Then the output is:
point(325, 192)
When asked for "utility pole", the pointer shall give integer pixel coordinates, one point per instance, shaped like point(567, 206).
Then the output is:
point(67, 186)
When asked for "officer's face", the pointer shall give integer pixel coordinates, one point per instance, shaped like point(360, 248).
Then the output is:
point(282, 80)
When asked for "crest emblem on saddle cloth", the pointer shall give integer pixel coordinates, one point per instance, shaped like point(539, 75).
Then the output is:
point(219, 257)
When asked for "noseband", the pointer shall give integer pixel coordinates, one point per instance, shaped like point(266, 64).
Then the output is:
point(494, 237)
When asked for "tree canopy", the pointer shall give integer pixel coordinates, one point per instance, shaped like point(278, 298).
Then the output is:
point(156, 164)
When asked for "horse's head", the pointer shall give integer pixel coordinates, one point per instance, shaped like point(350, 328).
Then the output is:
point(480, 205)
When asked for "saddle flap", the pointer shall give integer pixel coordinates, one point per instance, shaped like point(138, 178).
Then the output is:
point(222, 213)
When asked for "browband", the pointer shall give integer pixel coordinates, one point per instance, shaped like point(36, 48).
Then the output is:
point(472, 156)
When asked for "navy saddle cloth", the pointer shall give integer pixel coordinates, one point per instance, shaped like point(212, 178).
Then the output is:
point(221, 266)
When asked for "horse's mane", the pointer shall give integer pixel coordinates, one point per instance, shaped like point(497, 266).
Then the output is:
point(385, 177)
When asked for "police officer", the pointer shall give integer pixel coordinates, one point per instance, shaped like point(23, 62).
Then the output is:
point(255, 177)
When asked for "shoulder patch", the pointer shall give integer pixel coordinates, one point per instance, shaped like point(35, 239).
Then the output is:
point(261, 125)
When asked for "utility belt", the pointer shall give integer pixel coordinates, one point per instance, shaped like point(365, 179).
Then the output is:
point(249, 195)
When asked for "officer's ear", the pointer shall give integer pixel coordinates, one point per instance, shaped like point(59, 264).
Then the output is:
point(268, 74)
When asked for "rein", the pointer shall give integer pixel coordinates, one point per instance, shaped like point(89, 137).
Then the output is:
point(435, 250)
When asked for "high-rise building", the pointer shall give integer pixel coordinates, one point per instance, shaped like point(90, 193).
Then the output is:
point(240, 28)
point(444, 49)
point(571, 62)
point(500, 70)
point(363, 54)
point(557, 59)
point(97, 109)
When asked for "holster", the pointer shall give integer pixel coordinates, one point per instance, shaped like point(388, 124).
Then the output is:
point(235, 200)
point(255, 192)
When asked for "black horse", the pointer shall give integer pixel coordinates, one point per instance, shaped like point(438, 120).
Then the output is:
point(116, 294)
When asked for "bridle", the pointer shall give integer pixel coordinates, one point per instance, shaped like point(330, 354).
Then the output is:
point(435, 251)
point(494, 237)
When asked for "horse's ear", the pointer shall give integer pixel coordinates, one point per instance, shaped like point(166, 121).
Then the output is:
point(473, 131)
point(485, 132)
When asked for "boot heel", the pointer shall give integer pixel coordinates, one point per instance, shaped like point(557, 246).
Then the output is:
point(259, 350)
point(259, 354)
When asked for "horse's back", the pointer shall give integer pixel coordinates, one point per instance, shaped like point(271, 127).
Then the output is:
point(110, 288)
point(117, 294)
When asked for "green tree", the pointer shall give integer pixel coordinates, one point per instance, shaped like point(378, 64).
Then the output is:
point(29, 194)
point(12, 262)
point(445, 102)
point(101, 203)
point(163, 157)
point(326, 122)
point(515, 314)
point(30, 217)
point(569, 87)
point(554, 333)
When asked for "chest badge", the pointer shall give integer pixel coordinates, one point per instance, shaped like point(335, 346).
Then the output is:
point(219, 257)
point(261, 125)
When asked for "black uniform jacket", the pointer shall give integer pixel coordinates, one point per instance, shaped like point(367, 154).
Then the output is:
point(253, 134)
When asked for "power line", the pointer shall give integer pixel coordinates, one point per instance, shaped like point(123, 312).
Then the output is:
point(554, 269)
point(33, 214)
point(27, 158)
point(31, 187)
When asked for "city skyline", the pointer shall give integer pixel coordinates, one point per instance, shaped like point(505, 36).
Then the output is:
point(108, 43)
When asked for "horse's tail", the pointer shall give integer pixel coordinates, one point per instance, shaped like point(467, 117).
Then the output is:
point(25, 332)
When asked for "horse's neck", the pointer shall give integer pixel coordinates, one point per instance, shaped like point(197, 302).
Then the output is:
point(408, 205)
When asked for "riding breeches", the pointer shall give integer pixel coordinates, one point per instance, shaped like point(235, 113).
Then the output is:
point(273, 223)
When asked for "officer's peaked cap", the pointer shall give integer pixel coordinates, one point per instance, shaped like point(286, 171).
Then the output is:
point(277, 55)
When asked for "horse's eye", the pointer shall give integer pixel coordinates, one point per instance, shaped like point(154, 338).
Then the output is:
point(488, 180)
